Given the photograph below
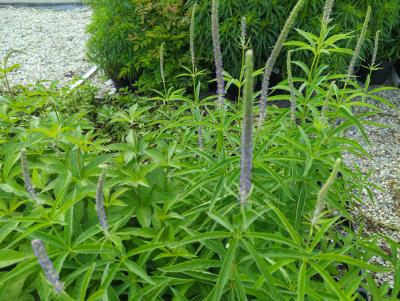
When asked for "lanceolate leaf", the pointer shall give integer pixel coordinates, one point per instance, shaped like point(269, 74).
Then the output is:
point(136, 269)
point(85, 282)
point(331, 282)
point(10, 257)
point(263, 269)
point(225, 272)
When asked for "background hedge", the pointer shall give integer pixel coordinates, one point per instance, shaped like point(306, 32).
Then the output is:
point(125, 35)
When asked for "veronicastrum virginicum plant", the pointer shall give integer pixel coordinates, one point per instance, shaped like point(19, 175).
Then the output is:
point(227, 219)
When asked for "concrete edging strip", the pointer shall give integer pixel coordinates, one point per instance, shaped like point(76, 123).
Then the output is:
point(33, 3)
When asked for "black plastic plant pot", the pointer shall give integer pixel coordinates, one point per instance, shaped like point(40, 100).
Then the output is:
point(378, 77)
point(121, 83)
point(396, 74)
point(397, 65)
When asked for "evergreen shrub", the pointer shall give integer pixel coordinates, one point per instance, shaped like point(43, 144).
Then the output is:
point(125, 35)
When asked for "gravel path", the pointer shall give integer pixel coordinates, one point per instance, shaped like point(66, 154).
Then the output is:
point(382, 215)
point(53, 42)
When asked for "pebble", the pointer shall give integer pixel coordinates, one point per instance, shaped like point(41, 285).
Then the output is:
point(52, 43)
point(382, 214)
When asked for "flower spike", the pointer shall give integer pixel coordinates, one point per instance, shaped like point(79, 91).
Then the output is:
point(46, 264)
point(360, 42)
point(27, 178)
point(272, 59)
point(247, 130)
point(219, 68)
point(100, 202)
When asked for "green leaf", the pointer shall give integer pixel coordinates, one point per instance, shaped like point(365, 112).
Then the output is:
point(21, 270)
point(319, 235)
point(97, 295)
point(109, 275)
point(10, 257)
point(203, 236)
point(18, 191)
point(302, 282)
point(92, 249)
point(138, 232)
point(178, 296)
point(225, 271)
point(145, 292)
point(68, 229)
point(195, 264)
point(61, 185)
point(143, 215)
point(6, 229)
point(272, 238)
point(263, 268)
point(137, 270)
point(85, 282)
point(217, 192)
point(330, 282)
point(347, 113)
point(222, 220)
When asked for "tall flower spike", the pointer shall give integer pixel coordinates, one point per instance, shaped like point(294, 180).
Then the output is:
point(100, 202)
point(247, 130)
point(25, 173)
point(328, 11)
point(219, 68)
point(328, 95)
point(272, 59)
point(360, 42)
point(162, 65)
point(376, 46)
point(324, 192)
point(243, 32)
point(46, 264)
point(200, 136)
point(291, 88)
point(192, 54)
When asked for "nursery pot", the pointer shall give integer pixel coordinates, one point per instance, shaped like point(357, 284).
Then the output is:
point(123, 82)
point(378, 77)
point(397, 66)
point(396, 74)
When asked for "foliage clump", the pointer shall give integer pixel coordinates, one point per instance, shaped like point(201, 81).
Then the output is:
point(125, 35)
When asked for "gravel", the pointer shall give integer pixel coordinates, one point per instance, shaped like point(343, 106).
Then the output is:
point(382, 214)
point(53, 43)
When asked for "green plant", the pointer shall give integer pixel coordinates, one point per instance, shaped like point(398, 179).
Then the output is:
point(265, 20)
point(153, 214)
point(125, 36)
point(5, 70)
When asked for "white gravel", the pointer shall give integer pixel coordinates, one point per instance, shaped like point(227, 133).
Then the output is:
point(382, 215)
point(53, 42)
